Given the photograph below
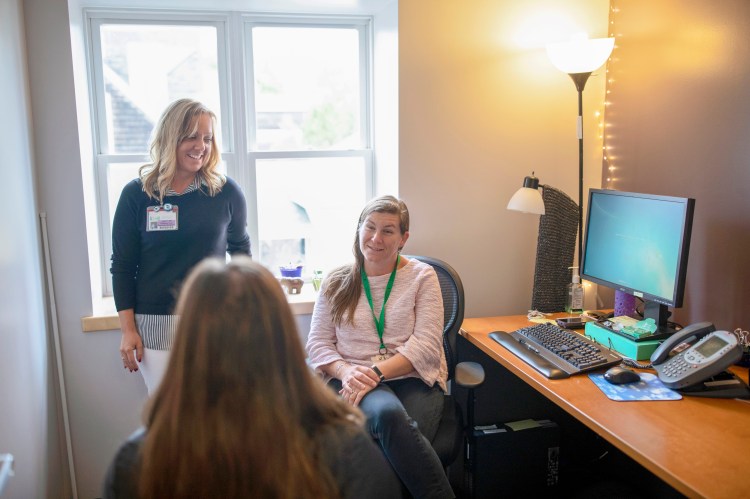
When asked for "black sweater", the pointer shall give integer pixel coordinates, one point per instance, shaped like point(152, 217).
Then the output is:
point(149, 266)
point(356, 463)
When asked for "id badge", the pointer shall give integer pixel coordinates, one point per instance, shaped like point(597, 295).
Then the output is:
point(159, 218)
point(380, 357)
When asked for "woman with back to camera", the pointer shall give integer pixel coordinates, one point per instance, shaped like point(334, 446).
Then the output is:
point(376, 334)
point(179, 211)
point(239, 413)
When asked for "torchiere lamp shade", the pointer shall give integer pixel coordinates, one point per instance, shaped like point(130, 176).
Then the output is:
point(580, 54)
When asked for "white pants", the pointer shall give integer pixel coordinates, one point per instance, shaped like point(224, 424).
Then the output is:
point(152, 368)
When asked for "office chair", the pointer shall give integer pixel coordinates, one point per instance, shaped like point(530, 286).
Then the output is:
point(449, 437)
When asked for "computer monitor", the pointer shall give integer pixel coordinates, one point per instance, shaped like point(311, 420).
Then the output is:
point(639, 244)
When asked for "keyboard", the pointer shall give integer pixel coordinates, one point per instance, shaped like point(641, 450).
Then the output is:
point(555, 352)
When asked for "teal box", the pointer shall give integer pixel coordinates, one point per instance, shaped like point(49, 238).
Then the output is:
point(638, 350)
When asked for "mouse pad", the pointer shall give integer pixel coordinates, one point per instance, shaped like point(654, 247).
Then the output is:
point(648, 388)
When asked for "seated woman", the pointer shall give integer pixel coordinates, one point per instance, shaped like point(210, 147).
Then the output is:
point(239, 413)
point(376, 334)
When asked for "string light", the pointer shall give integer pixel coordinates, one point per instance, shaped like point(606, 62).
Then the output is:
point(609, 160)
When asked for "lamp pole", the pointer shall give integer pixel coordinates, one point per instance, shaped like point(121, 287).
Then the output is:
point(578, 58)
point(579, 79)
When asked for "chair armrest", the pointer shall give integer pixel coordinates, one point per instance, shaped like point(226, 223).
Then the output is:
point(469, 374)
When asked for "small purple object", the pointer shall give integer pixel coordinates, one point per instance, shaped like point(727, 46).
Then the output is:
point(624, 304)
point(295, 271)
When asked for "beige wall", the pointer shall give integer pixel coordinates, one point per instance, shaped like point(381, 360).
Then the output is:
point(679, 124)
point(480, 108)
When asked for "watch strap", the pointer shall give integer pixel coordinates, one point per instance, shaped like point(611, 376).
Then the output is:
point(377, 371)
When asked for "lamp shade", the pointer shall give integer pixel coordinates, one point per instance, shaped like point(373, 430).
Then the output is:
point(580, 54)
point(528, 199)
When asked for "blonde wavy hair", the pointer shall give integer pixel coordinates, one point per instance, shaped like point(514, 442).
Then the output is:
point(178, 122)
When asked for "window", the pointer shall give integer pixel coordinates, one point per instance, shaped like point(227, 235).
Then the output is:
point(311, 180)
point(292, 98)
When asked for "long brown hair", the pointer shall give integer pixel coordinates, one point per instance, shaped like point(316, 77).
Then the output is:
point(178, 122)
point(344, 285)
point(238, 410)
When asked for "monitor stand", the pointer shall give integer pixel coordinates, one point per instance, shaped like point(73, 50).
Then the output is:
point(660, 314)
point(652, 310)
point(617, 328)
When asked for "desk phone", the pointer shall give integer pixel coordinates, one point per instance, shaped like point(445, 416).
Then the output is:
point(713, 352)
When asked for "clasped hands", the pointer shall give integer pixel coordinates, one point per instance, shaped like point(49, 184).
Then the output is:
point(356, 382)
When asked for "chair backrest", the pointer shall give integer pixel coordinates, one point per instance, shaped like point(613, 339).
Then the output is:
point(453, 306)
point(554, 251)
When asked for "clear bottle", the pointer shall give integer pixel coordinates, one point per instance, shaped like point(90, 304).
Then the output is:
point(317, 279)
point(574, 298)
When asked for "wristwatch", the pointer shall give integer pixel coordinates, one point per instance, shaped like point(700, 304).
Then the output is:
point(377, 371)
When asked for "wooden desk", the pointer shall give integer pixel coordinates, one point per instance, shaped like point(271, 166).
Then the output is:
point(699, 446)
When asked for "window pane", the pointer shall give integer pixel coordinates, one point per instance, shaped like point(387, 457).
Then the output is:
point(306, 88)
point(307, 211)
point(145, 67)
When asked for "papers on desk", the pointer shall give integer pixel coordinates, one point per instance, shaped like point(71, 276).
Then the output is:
point(648, 388)
point(542, 320)
point(513, 426)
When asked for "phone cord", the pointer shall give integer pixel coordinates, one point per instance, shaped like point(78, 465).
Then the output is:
point(632, 363)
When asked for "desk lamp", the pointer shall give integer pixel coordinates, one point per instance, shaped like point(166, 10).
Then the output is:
point(528, 199)
point(579, 57)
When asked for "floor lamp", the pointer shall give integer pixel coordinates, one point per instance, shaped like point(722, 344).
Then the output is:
point(579, 57)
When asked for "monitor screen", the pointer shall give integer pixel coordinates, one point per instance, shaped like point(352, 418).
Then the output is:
point(638, 243)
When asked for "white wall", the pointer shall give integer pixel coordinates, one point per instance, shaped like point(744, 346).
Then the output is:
point(27, 416)
point(103, 402)
point(385, 95)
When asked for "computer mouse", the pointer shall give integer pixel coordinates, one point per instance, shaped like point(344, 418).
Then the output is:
point(619, 375)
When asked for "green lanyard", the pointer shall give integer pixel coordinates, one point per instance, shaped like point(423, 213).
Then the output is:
point(380, 325)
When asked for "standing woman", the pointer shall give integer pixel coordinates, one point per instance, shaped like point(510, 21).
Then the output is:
point(376, 334)
point(178, 211)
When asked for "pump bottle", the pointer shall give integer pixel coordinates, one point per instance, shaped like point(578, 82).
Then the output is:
point(574, 298)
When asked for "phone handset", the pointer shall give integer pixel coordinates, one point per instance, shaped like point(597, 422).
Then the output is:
point(691, 333)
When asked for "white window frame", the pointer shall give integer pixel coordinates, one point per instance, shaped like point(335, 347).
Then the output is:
point(248, 175)
point(237, 111)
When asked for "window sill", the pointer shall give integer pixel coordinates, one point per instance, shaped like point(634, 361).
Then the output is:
point(106, 318)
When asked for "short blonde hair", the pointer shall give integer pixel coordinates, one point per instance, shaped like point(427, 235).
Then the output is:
point(178, 122)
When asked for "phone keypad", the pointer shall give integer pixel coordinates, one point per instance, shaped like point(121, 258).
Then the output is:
point(676, 366)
